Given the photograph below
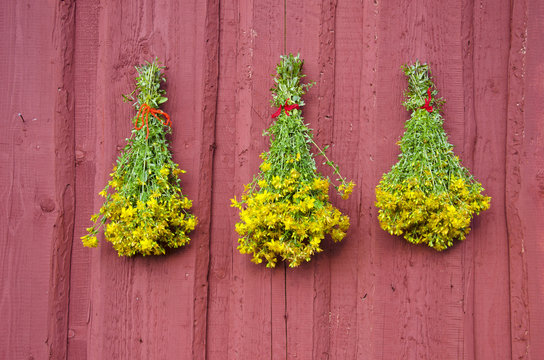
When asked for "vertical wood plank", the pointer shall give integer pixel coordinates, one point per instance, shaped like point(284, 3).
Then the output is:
point(490, 302)
point(222, 235)
point(36, 215)
point(522, 167)
point(321, 339)
point(369, 119)
point(61, 247)
point(240, 302)
point(532, 188)
point(468, 44)
point(85, 70)
point(207, 147)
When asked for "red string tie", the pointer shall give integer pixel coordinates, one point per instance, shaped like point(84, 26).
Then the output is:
point(143, 116)
point(285, 107)
point(428, 107)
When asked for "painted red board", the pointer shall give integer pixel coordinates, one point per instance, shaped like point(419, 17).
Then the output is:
point(530, 199)
point(36, 215)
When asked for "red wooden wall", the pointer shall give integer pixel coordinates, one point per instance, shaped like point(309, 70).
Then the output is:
point(64, 66)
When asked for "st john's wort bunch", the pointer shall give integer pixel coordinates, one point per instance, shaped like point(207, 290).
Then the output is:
point(144, 210)
point(428, 196)
point(285, 211)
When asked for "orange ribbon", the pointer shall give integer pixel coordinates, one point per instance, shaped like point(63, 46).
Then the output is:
point(143, 116)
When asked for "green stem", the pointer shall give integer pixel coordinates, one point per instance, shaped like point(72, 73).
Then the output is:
point(329, 162)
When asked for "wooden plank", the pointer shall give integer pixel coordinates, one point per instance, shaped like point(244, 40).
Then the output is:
point(85, 64)
point(343, 317)
point(222, 236)
point(532, 172)
point(467, 46)
point(490, 302)
point(367, 175)
point(61, 247)
point(207, 148)
point(36, 184)
point(522, 182)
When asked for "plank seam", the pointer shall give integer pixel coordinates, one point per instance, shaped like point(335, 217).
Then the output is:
point(63, 232)
point(467, 34)
point(519, 311)
point(206, 169)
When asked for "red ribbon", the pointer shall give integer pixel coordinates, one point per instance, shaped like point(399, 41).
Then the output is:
point(286, 107)
point(428, 101)
point(143, 116)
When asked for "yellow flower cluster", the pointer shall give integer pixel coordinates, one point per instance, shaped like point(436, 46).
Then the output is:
point(287, 218)
point(432, 219)
point(145, 227)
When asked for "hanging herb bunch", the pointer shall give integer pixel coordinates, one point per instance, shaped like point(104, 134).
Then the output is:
point(285, 211)
point(144, 210)
point(428, 196)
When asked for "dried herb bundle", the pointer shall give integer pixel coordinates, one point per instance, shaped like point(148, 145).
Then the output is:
point(285, 211)
point(428, 196)
point(144, 210)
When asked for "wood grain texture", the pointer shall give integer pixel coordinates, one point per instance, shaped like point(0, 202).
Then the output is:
point(527, 288)
point(372, 296)
point(467, 48)
point(490, 257)
point(222, 235)
point(207, 148)
point(36, 180)
point(61, 247)
point(531, 201)
point(520, 323)
point(85, 86)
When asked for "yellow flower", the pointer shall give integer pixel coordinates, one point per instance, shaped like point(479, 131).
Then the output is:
point(164, 171)
point(265, 166)
point(347, 190)
point(191, 223)
point(89, 241)
point(235, 203)
point(146, 244)
point(128, 212)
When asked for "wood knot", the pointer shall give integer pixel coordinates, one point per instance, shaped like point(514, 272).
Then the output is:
point(80, 156)
point(47, 205)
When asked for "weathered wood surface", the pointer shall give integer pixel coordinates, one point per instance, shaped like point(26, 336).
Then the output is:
point(37, 177)
point(373, 296)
